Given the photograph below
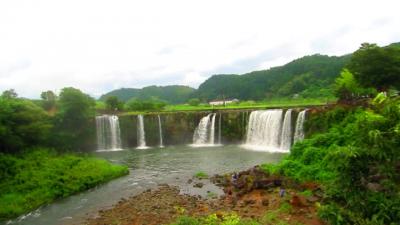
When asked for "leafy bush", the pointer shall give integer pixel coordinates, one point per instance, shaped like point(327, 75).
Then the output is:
point(113, 103)
point(39, 176)
point(144, 105)
point(74, 125)
point(194, 102)
point(22, 124)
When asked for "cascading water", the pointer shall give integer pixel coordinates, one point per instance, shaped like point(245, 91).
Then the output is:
point(219, 129)
point(264, 130)
point(204, 134)
point(286, 137)
point(212, 130)
point(200, 136)
point(140, 133)
point(160, 132)
point(108, 133)
point(299, 131)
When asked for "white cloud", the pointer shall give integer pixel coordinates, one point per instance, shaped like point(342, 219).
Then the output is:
point(99, 45)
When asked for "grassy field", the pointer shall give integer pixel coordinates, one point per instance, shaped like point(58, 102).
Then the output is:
point(274, 103)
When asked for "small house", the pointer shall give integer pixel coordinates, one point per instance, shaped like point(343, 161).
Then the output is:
point(223, 102)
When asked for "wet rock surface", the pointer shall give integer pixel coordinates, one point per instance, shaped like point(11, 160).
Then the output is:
point(250, 194)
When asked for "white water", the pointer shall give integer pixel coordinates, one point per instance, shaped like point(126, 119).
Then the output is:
point(264, 130)
point(299, 131)
point(108, 133)
point(212, 130)
point(204, 134)
point(286, 137)
point(219, 129)
point(201, 132)
point(140, 133)
point(160, 132)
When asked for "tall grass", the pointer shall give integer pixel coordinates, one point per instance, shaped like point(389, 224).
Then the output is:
point(40, 176)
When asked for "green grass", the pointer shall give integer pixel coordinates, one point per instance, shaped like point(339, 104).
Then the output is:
point(213, 219)
point(40, 176)
point(271, 217)
point(252, 104)
point(201, 175)
point(273, 103)
point(306, 193)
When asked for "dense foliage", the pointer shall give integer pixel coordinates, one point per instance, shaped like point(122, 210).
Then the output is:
point(145, 105)
point(173, 94)
point(113, 103)
point(39, 176)
point(377, 67)
point(347, 88)
point(22, 124)
point(48, 100)
point(74, 120)
point(354, 153)
point(66, 122)
point(194, 102)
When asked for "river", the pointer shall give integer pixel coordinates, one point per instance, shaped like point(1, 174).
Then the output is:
point(172, 165)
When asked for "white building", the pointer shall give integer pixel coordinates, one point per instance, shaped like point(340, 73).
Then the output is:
point(223, 102)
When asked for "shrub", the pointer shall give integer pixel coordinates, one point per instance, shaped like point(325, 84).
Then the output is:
point(40, 176)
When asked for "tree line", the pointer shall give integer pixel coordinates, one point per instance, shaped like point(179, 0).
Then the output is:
point(371, 69)
point(64, 122)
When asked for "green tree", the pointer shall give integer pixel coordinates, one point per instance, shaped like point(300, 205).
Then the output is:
point(22, 124)
point(143, 105)
point(9, 94)
point(346, 87)
point(112, 103)
point(376, 67)
point(49, 100)
point(194, 101)
point(74, 120)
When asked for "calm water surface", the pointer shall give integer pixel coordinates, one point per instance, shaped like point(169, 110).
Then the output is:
point(148, 168)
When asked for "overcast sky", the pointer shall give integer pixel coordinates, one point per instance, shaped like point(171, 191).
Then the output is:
point(101, 45)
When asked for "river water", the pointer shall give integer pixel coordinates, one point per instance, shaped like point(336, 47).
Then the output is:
point(148, 168)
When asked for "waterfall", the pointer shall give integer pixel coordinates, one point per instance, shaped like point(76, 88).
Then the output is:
point(286, 137)
point(212, 130)
point(204, 134)
point(299, 131)
point(219, 129)
point(200, 133)
point(140, 133)
point(264, 130)
point(108, 133)
point(160, 132)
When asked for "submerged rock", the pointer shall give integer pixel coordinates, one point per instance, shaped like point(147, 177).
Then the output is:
point(198, 185)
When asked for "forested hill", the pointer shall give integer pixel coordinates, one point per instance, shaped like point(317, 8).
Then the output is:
point(173, 94)
point(309, 76)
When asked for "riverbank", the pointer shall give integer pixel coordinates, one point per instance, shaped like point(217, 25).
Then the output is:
point(253, 198)
point(40, 176)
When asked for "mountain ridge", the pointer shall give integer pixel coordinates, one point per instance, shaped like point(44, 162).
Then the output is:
point(307, 76)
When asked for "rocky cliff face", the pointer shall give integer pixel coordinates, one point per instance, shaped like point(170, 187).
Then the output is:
point(178, 128)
